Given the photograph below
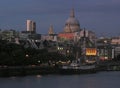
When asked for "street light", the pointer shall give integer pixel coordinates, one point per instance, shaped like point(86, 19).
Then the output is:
point(105, 50)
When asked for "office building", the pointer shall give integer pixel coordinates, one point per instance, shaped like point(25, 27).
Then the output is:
point(31, 26)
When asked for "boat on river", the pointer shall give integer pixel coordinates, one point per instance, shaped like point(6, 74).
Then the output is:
point(86, 61)
point(75, 68)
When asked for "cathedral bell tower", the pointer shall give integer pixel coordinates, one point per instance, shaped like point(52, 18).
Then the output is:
point(51, 33)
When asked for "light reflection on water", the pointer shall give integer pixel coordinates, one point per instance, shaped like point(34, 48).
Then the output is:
point(98, 80)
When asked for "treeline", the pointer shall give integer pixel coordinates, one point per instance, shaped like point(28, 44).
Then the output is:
point(12, 54)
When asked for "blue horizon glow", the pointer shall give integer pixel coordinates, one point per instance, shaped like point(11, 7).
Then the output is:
point(99, 16)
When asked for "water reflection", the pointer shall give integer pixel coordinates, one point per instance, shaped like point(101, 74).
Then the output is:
point(99, 80)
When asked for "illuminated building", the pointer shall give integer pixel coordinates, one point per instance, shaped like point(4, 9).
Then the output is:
point(31, 26)
point(51, 35)
point(71, 26)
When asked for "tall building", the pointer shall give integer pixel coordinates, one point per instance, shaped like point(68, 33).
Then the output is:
point(50, 32)
point(72, 24)
point(31, 26)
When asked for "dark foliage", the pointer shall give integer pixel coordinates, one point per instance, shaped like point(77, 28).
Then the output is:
point(12, 54)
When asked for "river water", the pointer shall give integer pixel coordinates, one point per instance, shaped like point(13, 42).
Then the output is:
point(97, 80)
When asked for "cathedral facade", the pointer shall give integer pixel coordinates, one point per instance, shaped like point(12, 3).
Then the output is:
point(72, 25)
point(73, 31)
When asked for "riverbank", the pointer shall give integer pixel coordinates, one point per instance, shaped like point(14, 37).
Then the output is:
point(27, 70)
point(45, 70)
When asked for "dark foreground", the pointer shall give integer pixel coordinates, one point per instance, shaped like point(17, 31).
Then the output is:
point(27, 70)
point(35, 70)
point(45, 70)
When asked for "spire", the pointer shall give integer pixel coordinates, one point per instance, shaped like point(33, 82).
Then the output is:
point(51, 30)
point(72, 14)
point(84, 32)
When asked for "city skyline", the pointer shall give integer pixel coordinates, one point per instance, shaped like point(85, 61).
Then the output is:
point(99, 16)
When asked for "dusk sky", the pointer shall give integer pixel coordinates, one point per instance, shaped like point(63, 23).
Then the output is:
point(99, 16)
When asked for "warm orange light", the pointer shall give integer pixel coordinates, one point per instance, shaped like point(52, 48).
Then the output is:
point(66, 35)
point(91, 51)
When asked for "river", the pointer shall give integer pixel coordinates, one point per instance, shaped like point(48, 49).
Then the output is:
point(97, 80)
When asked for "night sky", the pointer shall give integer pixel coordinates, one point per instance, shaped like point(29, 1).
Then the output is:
point(100, 16)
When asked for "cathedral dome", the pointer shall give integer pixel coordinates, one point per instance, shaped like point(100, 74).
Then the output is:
point(72, 22)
